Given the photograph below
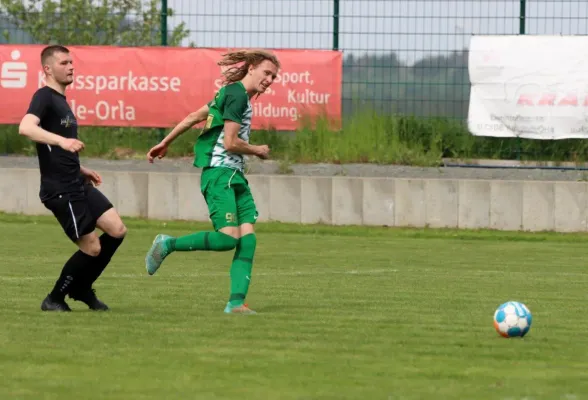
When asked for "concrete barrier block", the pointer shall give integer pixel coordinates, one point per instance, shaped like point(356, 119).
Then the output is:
point(317, 200)
point(347, 201)
point(285, 198)
point(538, 206)
point(162, 196)
point(442, 203)
point(192, 205)
point(33, 202)
point(132, 189)
point(378, 201)
point(13, 191)
point(261, 191)
point(570, 206)
point(474, 204)
point(410, 206)
point(506, 205)
point(109, 186)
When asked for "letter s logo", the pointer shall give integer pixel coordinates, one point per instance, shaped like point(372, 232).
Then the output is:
point(14, 73)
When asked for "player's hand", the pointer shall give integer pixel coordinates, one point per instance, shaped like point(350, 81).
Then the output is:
point(72, 145)
point(158, 151)
point(92, 176)
point(263, 152)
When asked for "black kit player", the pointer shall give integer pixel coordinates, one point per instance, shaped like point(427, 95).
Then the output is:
point(67, 188)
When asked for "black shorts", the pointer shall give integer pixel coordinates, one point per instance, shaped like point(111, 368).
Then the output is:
point(78, 212)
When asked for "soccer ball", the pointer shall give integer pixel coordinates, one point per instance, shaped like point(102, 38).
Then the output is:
point(512, 319)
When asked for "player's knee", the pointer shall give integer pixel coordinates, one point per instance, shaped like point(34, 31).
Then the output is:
point(91, 248)
point(231, 231)
point(120, 231)
point(227, 242)
point(95, 250)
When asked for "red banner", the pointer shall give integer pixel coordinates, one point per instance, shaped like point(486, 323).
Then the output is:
point(159, 86)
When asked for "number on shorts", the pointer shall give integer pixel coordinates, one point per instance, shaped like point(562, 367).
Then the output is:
point(230, 217)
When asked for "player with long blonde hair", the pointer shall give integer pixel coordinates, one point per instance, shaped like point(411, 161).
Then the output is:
point(219, 151)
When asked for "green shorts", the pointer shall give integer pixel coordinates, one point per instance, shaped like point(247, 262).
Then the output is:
point(228, 197)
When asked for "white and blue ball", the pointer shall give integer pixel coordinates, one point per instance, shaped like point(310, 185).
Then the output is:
point(512, 319)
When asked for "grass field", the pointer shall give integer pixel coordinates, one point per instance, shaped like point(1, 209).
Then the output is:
point(344, 313)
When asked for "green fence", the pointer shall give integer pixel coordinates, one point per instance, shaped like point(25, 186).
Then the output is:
point(405, 56)
point(400, 56)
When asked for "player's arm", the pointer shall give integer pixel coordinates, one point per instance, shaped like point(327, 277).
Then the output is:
point(233, 144)
point(235, 106)
point(191, 119)
point(91, 176)
point(160, 149)
point(29, 127)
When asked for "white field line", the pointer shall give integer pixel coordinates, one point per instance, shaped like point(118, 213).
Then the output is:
point(216, 274)
point(381, 271)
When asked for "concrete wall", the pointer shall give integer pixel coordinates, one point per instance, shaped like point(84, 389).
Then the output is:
point(502, 205)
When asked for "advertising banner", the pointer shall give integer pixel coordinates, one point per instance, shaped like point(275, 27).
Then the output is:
point(159, 86)
point(533, 87)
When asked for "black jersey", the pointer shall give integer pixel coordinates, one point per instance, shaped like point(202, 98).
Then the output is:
point(60, 169)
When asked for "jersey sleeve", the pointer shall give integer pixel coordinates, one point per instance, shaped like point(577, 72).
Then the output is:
point(40, 103)
point(235, 106)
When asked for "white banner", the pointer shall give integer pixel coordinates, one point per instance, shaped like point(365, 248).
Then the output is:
point(533, 87)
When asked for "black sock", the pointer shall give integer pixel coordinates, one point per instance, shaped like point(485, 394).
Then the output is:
point(75, 274)
point(108, 245)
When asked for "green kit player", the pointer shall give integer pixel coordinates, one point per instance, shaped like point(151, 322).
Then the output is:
point(219, 152)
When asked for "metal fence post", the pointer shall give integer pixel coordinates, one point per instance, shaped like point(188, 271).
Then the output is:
point(523, 14)
point(522, 23)
point(336, 34)
point(335, 24)
point(163, 43)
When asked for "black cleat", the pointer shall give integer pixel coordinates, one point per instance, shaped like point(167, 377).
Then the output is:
point(52, 305)
point(89, 297)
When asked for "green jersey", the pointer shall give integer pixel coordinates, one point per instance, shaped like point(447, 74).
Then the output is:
point(230, 103)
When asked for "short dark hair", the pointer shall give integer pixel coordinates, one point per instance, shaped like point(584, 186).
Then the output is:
point(49, 51)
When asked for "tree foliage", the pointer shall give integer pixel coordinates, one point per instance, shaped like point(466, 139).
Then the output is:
point(91, 22)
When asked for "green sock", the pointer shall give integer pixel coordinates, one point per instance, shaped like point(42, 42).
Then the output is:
point(241, 269)
point(208, 241)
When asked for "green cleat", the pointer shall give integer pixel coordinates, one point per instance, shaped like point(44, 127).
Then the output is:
point(156, 254)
